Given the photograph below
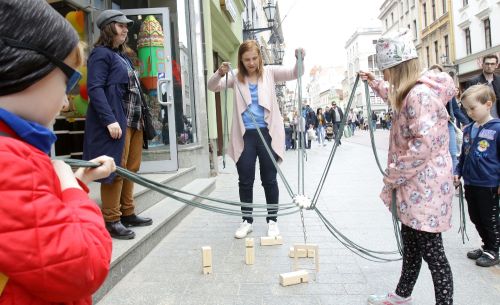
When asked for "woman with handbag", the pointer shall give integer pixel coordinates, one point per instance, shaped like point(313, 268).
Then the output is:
point(115, 121)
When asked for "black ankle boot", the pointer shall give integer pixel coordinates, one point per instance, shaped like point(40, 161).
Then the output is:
point(136, 221)
point(118, 231)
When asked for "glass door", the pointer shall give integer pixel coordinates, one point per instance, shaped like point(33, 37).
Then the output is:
point(150, 45)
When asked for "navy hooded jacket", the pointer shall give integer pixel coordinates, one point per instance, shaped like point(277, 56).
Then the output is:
point(479, 162)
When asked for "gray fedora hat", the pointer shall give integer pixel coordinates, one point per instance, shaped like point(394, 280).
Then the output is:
point(108, 16)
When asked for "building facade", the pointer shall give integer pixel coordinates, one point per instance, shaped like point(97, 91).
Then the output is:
point(400, 15)
point(437, 41)
point(360, 49)
point(171, 73)
point(476, 26)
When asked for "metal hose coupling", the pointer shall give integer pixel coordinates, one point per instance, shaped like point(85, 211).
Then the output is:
point(302, 202)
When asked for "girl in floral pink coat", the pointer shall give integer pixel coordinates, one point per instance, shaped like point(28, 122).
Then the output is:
point(418, 166)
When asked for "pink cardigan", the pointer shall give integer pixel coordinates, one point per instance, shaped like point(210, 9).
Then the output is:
point(419, 162)
point(267, 99)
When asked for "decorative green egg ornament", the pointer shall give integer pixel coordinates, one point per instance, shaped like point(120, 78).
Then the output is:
point(151, 52)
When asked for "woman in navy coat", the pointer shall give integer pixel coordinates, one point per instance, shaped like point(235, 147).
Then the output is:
point(114, 121)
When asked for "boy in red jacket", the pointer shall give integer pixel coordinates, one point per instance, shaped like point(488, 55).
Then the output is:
point(54, 247)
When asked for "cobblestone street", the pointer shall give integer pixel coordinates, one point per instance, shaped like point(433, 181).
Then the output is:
point(171, 273)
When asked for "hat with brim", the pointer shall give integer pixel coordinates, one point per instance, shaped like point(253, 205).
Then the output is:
point(391, 51)
point(109, 16)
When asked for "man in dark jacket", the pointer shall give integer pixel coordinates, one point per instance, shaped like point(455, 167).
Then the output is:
point(490, 63)
point(337, 116)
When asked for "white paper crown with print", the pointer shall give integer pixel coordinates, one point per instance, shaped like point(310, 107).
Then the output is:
point(391, 51)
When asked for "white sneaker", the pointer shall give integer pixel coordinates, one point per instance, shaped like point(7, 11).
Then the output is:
point(243, 230)
point(272, 229)
point(389, 299)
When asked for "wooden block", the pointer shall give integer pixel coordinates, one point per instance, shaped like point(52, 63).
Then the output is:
point(295, 277)
point(271, 241)
point(249, 251)
point(206, 259)
point(302, 253)
point(306, 247)
point(207, 270)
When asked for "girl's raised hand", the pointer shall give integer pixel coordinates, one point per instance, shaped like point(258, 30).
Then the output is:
point(368, 76)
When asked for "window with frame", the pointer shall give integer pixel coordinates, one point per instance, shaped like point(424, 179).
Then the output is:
point(468, 45)
point(436, 52)
point(424, 9)
point(427, 52)
point(487, 33)
point(445, 7)
point(415, 30)
point(466, 2)
point(447, 48)
point(433, 3)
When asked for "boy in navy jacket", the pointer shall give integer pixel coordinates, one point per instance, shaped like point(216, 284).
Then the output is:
point(479, 165)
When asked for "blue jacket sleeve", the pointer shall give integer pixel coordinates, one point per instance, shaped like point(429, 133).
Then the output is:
point(98, 72)
point(461, 159)
point(461, 117)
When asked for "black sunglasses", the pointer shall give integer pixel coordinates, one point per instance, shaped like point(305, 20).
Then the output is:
point(73, 75)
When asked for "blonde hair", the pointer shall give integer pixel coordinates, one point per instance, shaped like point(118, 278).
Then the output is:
point(249, 45)
point(481, 93)
point(402, 79)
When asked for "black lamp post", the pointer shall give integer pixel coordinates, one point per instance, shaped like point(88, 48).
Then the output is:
point(269, 11)
point(281, 54)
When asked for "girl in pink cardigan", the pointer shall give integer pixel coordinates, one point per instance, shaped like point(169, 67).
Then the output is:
point(418, 166)
point(257, 85)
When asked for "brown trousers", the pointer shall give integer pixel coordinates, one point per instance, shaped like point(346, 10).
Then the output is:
point(118, 196)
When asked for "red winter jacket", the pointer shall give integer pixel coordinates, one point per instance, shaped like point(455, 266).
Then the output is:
point(53, 245)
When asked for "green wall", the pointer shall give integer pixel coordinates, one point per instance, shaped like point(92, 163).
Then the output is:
point(224, 37)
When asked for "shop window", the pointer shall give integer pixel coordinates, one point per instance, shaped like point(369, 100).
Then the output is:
point(70, 124)
point(182, 69)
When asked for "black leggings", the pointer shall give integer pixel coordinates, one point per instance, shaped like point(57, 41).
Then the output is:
point(429, 246)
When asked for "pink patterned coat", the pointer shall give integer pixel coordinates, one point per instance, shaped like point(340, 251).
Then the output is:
point(419, 162)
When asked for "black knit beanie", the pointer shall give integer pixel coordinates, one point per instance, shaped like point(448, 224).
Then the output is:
point(36, 23)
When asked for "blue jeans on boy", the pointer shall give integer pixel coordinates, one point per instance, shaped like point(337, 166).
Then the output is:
point(253, 148)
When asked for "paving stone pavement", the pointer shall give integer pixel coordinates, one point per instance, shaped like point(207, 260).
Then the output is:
point(171, 273)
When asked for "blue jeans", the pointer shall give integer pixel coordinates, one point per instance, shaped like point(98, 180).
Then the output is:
point(253, 148)
point(320, 131)
point(453, 147)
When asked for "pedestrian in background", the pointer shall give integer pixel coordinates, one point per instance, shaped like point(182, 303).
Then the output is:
point(54, 247)
point(351, 121)
point(374, 119)
point(337, 116)
point(320, 126)
point(258, 95)
point(288, 132)
point(479, 166)
point(488, 77)
point(419, 165)
point(114, 124)
point(328, 115)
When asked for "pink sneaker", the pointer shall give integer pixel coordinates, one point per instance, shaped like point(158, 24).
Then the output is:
point(389, 299)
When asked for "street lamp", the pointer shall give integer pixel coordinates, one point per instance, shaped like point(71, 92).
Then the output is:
point(281, 54)
point(269, 11)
